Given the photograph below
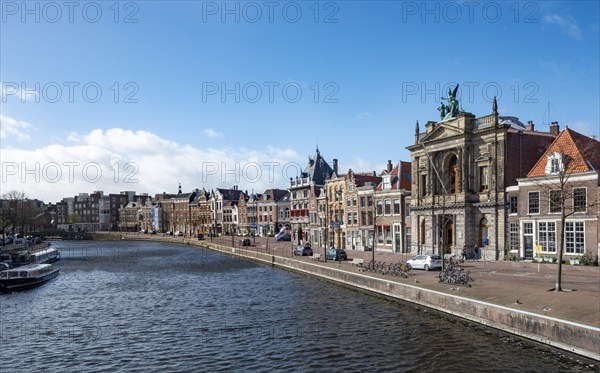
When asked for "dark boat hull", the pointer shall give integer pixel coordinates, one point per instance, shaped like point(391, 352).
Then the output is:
point(18, 284)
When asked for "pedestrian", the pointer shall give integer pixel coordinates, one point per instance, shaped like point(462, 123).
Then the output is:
point(475, 253)
point(464, 254)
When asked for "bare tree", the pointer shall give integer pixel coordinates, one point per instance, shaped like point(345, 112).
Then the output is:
point(565, 175)
point(12, 209)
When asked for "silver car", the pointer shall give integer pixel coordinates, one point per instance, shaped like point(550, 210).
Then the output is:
point(426, 262)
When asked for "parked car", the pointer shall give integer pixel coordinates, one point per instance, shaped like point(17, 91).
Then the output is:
point(179, 233)
point(334, 254)
point(169, 233)
point(245, 242)
point(282, 236)
point(303, 250)
point(200, 236)
point(426, 262)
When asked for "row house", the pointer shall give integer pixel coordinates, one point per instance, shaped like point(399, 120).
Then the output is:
point(563, 183)
point(200, 212)
point(230, 217)
point(304, 193)
point(247, 211)
point(130, 217)
point(153, 216)
point(335, 193)
point(116, 202)
point(461, 167)
point(355, 238)
point(273, 211)
point(366, 212)
point(392, 209)
point(243, 224)
point(181, 212)
point(219, 198)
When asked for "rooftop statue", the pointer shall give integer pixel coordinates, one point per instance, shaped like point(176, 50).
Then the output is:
point(451, 110)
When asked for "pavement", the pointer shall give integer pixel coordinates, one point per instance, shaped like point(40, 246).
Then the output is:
point(521, 285)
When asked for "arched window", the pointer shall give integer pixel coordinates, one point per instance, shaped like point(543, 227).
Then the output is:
point(483, 232)
point(453, 175)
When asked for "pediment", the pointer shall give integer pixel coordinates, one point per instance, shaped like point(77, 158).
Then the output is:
point(442, 131)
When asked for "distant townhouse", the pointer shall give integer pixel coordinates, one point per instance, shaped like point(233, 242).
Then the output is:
point(335, 193)
point(392, 199)
point(302, 189)
point(354, 181)
point(199, 218)
point(219, 199)
point(565, 179)
point(366, 211)
point(273, 205)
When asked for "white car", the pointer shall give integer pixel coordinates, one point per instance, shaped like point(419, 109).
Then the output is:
point(426, 262)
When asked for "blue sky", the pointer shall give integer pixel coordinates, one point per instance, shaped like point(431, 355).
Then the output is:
point(129, 95)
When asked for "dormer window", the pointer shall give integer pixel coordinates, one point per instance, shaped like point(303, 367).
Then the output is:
point(387, 184)
point(555, 164)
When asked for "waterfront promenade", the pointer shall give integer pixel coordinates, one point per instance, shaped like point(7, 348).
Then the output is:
point(520, 286)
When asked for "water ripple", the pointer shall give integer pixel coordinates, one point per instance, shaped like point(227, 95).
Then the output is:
point(157, 307)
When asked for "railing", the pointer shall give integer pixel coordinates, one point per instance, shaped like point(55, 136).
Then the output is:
point(485, 121)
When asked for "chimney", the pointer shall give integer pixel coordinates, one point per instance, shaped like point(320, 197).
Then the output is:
point(389, 166)
point(335, 166)
point(530, 126)
point(375, 173)
point(554, 128)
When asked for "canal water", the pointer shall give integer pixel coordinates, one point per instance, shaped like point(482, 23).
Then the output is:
point(139, 307)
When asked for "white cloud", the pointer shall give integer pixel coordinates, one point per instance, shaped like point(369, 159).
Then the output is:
point(211, 133)
point(567, 24)
point(12, 127)
point(116, 160)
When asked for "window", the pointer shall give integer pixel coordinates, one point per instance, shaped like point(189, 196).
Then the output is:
point(408, 239)
point(483, 178)
point(554, 166)
point(388, 235)
point(386, 182)
point(579, 199)
point(555, 201)
point(574, 237)
point(355, 218)
point(370, 215)
point(453, 175)
point(348, 201)
point(363, 218)
point(396, 207)
point(388, 207)
point(534, 202)
point(379, 207)
point(380, 234)
point(407, 209)
point(349, 218)
point(423, 186)
point(514, 236)
point(547, 236)
point(513, 205)
point(362, 201)
point(369, 201)
point(354, 201)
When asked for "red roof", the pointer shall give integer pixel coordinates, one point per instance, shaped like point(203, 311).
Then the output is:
point(583, 151)
point(400, 180)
